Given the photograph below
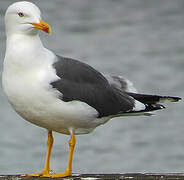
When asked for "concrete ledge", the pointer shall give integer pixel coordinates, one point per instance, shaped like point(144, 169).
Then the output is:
point(128, 176)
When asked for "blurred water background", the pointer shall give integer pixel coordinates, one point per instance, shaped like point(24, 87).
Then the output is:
point(138, 39)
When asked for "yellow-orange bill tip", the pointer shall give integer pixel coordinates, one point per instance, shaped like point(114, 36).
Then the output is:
point(43, 26)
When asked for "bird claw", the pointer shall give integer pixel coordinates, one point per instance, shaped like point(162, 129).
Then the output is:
point(46, 174)
point(41, 174)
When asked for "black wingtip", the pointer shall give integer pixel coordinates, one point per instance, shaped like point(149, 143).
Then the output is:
point(154, 99)
point(176, 99)
point(169, 99)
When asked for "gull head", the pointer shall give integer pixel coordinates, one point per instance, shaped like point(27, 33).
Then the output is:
point(24, 18)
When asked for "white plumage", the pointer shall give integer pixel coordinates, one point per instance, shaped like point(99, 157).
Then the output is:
point(26, 80)
point(27, 75)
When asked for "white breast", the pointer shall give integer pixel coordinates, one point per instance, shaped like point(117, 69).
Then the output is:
point(26, 81)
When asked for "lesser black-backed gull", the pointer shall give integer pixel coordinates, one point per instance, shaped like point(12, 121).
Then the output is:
point(58, 93)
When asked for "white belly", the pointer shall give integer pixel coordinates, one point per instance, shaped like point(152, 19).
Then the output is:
point(37, 102)
point(27, 74)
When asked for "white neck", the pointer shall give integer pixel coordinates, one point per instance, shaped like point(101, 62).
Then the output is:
point(23, 50)
point(19, 43)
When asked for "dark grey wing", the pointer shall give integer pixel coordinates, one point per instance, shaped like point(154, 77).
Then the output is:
point(79, 81)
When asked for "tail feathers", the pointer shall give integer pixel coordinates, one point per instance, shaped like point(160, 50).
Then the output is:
point(153, 99)
point(151, 102)
point(153, 107)
point(147, 110)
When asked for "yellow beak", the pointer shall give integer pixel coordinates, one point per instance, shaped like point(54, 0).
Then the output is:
point(43, 26)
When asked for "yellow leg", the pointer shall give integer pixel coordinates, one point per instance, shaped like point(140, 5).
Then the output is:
point(46, 169)
point(68, 171)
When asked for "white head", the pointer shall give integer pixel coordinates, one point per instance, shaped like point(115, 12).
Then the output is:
point(24, 18)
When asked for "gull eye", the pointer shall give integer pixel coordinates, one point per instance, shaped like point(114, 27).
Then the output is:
point(21, 14)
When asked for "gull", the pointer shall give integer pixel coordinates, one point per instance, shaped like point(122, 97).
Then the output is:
point(58, 93)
